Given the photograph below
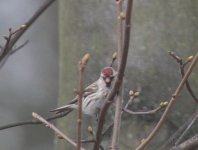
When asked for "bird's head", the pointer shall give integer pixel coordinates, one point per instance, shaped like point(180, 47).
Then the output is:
point(108, 74)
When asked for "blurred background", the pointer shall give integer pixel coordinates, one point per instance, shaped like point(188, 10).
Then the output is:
point(29, 79)
point(44, 73)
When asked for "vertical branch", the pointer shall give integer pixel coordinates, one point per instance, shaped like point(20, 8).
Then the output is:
point(118, 80)
point(82, 64)
point(118, 101)
point(172, 101)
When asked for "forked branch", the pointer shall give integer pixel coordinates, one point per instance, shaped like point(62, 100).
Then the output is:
point(172, 101)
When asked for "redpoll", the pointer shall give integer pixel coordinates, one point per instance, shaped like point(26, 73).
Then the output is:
point(94, 95)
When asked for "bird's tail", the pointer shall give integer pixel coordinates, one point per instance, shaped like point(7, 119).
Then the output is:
point(64, 108)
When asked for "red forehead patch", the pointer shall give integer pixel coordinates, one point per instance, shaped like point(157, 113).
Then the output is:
point(107, 72)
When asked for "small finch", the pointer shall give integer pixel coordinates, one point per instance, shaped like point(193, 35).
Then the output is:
point(94, 95)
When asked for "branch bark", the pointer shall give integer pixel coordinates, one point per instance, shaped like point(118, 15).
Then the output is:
point(190, 144)
point(119, 98)
point(82, 64)
point(51, 126)
point(171, 141)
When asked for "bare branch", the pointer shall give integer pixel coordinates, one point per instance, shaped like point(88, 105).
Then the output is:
point(190, 144)
point(51, 126)
point(142, 112)
point(186, 130)
point(172, 101)
point(33, 122)
point(10, 53)
point(119, 97)
point(182, 65)
point(13, 37)
point(172, 139)
point(82, 64)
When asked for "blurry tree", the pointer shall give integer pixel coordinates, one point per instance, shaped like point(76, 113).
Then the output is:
point(157, 27)
point(28, 80)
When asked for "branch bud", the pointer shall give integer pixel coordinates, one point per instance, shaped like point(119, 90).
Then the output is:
point(114, 56)
point(136, 94)
point(35, 115)
point(122, 15)
point(178, 58)
point(23, 26)
point(163, 104)
point(189, 59)
point(131, 93)
point(90, 130)
point(85, 59)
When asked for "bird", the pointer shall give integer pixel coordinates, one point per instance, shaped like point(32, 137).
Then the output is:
point(94, 95)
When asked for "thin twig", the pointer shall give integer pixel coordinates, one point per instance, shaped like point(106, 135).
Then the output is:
point(186, 130)
point(142, 112)
point(10, 53)
point(172, 139)
point(7, 50)
point(82, 64)
point(118, 81)
point(114, 57)
point(19, 47)
point(182, 65)
point(133, 95)
point(130, 101)
point(190, 144)
point(51, 126)
point(15, 36)
point(172, 101)
point(119, 97)
point(33, 122)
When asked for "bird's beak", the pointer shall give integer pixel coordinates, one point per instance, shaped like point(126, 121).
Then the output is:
point(108, 80)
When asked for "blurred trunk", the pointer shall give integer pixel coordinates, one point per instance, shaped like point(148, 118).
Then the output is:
point(158, 26)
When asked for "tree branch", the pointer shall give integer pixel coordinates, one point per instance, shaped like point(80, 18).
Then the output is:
point(82, 64)
point(119, 97)
point(172, 101)
point(51, 126)
point(186, 130)
point(15, 36)
point(190, 144)
point(142, 112)
point(172, 139)
point(181, 66)
point(33, 122)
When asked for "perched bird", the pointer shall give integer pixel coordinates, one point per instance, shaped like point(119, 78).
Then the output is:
point(94, 95)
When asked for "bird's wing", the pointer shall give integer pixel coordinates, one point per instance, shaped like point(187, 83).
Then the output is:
point(90, 89)
point(71, 105)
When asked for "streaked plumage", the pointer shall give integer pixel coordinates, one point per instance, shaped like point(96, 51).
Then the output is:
point(94, 95)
